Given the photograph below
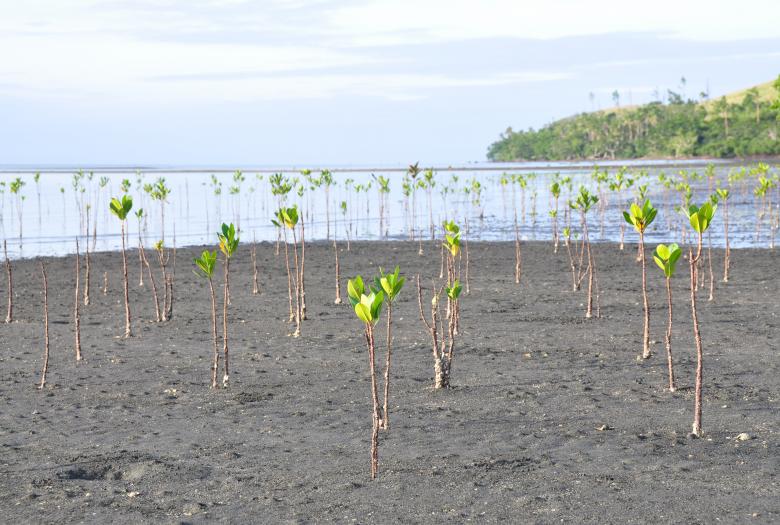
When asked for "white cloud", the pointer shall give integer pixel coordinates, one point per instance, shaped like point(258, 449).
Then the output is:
point(401, 21)
point(186, 50)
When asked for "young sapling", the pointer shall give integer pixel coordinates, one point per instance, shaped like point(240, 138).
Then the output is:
point(367, 307)
point(666, 258)
point(205, 265)
point(700, 219)
point(640, 219)
point(228, 243)
point(723, 195)
point(390, 284)
point(288, 219)
point(120, 208)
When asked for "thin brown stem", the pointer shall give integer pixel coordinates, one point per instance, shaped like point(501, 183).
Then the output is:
point(215, 361)
point(9, 316)
point(128, 332)
point(158, 316)
point(726, 255)
point(86, 273)
point(297, 332)
point(646, 333)
point(385, 405)
point(668, 339)
point(338, 273)
point(45, 368)
point(225, 300)
point(289, 278)
point(76, 317)
point(697, 430)
point(303, 269)
point(376, 419)
point(255, 285)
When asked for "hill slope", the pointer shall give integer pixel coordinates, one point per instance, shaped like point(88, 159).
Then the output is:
point(742, 123)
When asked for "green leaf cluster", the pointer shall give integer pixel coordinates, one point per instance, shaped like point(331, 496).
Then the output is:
point(389, 283)
point(228, 241)
point(453, 292)
point(287, 217)
point(121, 208)
point(640, 218)
point(367, 306)
point(666, 258)
point(585, 200)
point(206, 263)
point(701, 217)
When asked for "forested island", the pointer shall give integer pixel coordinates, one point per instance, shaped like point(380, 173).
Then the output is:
point(741, 124)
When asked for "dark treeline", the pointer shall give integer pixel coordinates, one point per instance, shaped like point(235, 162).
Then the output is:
point(744, 124)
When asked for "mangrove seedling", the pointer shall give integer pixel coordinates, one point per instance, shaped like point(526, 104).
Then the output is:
point(121, 208)
point(585, 201)
point(163, 258)
point(640, 219)
point(555, 190)
point(390, 284)
point(287, 218)
point(204, 267)
point(518, 256)
point(87, 264)
point(16, 189)
point(666, 258)
point(724, 194)
point(714, 201)
point(700, 219)
point(139, 214)
point(452, 245)
point(228, 243)
point(367, 307)
point(442, 359)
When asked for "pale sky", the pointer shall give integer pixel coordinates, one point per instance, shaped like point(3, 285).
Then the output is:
point(314, 82)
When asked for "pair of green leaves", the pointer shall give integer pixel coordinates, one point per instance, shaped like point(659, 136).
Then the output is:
point(121, 208)
point(585, 200)
point(640, 218)
point(287, 217)
point(453, 292)
point(701, 217)
point(228, 242)
point(389, 283)
point(367, 306)
point(666, 258)
point(206, 263)
point(452, 237)
point(367, 303)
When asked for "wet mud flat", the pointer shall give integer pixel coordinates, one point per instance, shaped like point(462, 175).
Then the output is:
point(550, 418)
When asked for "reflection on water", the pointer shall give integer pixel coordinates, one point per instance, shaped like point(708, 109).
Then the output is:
point(52, 211)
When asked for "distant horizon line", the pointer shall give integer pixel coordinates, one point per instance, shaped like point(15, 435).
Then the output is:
point(346, 168)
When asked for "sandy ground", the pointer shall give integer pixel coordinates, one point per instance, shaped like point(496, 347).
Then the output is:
point(550, 418)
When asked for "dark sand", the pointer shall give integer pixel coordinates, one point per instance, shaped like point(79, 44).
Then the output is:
point(133, 434)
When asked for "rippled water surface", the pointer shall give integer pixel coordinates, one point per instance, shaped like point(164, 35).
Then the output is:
point(51, 213)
